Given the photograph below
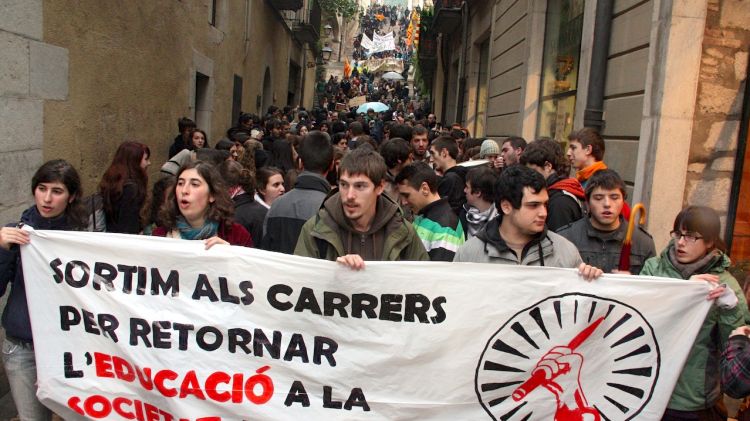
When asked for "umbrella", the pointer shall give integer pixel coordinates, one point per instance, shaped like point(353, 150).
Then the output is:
point(626, 243)
point(392, 76)
point(376, 106)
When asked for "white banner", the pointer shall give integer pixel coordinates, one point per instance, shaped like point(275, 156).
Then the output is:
point(382, 43)
point(130, 327)
point(366, 42)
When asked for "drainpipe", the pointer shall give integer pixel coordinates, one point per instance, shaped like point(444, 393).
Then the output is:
point(593, 116)
point(462, 63)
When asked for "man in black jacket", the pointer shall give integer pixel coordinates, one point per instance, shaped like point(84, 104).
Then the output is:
point(566, 196)
point(182, 140)
point(290, 211)
point(444, 152)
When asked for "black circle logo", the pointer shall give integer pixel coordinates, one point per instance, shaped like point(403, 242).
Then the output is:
point(567, 356)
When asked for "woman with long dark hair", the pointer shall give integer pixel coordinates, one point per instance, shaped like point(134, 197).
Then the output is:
point(697, 252)
point(57, 192)
point(123, 187)
point(199, 208)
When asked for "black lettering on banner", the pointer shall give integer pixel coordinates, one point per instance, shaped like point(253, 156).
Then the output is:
point(183, 330)
point(162, 337)
point(307, 301)
point(334, 301)
point(106, 273)
point(274, 291)
point(357, 398)
point(296, 348)
point(328, 401)
point(200, 337)
point(108, 324)
point(390, 307)
point(416, 308)
point(89, 325)
point(297, 394)
point(226, 296)
point(69, 316)
point(238, 337)
point(203, 289)
point(55, 266)
point(70, 278)
point(364, 303)
point(437, 304)
point(170, 286)
point(260, 341)
point(142, 281)
point(70, 373)
point(127, 277)
point(247, 295)
point(139, 329)
point(325, 347)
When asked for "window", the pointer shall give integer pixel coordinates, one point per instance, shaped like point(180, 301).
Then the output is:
point(562, 50)
point(236, 100)
point(212, 12)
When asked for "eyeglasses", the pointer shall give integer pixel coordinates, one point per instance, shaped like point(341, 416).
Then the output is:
point(689, 238)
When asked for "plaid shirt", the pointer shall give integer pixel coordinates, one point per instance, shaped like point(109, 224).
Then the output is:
point(735, 367)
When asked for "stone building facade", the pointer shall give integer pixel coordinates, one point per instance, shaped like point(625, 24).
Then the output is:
point(672, 95)
point(77, 78)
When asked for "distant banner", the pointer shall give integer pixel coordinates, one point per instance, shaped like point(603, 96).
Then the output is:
point(382, 43)
point(366, 42)
point(357, 101)
point(131, 327)
point(378, 65)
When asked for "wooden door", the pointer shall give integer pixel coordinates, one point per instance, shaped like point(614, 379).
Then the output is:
point(741, 233)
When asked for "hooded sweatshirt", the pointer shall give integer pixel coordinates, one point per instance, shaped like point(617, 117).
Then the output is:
point(330, 234)
point(545, 249)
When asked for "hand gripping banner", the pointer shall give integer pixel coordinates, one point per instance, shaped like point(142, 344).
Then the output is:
point(141, 328)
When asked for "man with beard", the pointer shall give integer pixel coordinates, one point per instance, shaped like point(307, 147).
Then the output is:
point(359, 223)
point(420, 143)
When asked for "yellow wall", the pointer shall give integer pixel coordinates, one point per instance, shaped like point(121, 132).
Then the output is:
point(132, 72)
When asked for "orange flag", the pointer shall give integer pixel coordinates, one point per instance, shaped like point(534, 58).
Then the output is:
point(379, 17)
point(347, 67)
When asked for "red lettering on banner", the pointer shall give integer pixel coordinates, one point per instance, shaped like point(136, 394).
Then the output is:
point(159, 378)
point(98, 406)
point(212, 382)
point(258, 388)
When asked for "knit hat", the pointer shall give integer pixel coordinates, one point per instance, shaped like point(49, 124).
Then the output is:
point(489, 147)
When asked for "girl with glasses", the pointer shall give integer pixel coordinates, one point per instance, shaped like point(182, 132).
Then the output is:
point(697, 252)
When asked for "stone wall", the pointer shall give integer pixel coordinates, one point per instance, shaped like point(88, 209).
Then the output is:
point(31, 72)
point(723, 71)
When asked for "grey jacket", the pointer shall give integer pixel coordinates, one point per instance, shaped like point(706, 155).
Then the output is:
point(602, 249)
point(547, 249)
point(289, 212)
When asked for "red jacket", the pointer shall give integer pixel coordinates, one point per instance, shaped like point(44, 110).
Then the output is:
point(235, 234)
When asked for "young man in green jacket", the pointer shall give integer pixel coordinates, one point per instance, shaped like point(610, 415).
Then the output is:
point(358, 222)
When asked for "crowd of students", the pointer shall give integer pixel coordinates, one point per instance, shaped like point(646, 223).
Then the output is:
point(328, 190)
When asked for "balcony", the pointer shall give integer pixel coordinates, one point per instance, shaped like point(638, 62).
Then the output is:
point(306, 23)
point(447, 16)
point(286, 4)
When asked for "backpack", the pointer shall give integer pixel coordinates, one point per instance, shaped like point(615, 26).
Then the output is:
point(94, 205)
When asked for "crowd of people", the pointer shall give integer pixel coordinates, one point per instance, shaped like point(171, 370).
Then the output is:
point(382, 19)
point(354, 188)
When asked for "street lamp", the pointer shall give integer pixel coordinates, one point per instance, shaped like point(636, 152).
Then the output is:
point(326, 52)
point(329, 30)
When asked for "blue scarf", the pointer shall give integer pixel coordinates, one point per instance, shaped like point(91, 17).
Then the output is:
point(187, 232)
